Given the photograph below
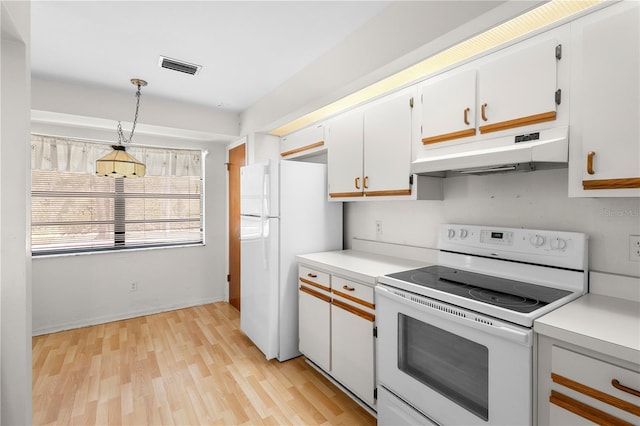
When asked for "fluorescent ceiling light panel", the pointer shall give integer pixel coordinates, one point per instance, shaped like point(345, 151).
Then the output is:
point(524, 24)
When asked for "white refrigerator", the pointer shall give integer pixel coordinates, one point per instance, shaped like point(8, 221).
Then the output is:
point(284, 211)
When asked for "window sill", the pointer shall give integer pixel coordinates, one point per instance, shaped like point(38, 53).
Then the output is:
point(47, 255)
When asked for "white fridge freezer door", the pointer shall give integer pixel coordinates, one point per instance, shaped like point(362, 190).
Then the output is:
point(259, 286)
point(259, 190)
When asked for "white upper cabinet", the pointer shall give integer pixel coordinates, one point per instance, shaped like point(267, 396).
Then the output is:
point(604, 158)
point(387, 146)
point(344, 158)
point(303, 143)
point(518, 87)
point(369, 149)
point(449, 107)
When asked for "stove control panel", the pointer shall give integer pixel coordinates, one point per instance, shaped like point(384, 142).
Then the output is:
point(503, 238)
point(555, 248)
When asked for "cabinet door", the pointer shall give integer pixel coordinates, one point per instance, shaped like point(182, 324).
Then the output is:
point(518, 87)
point(449, 107)
point(352, 349)
point(314, 320)
point(606, 94)
point(387, 146)
point(344, 157)
point(303, 142)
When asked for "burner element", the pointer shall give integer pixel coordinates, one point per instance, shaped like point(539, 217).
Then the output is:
point(501, 299)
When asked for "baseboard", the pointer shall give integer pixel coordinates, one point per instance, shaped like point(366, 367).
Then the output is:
point(120, 316)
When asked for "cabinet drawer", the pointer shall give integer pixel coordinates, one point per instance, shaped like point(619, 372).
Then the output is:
point(608, 383)
point(314, 278)
point(359, 294)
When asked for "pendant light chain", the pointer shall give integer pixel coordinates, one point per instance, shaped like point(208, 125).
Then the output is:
point(121, 137)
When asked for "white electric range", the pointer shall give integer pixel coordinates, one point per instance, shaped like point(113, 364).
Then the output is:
point(455, 340)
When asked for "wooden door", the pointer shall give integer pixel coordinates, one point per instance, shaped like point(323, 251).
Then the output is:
point(237, 157)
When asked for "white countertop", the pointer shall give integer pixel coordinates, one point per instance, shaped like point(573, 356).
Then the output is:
point(605, 324)
point(358, 265)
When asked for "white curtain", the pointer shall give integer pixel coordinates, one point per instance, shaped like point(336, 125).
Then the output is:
point(65, 155)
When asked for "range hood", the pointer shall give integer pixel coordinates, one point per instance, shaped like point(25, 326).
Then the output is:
point(544, 149)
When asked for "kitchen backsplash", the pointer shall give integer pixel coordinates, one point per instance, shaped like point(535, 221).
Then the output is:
point(532, 200)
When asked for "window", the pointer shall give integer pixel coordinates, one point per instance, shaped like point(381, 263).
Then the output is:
point(73, 210)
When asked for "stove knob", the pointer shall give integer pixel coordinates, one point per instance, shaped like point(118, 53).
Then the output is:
point(451, 233)
point(537, 240)
point(558, 244)
point(464, 233)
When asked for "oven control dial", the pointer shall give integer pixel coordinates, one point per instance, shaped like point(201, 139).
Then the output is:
point(464, 233)
point(558, 243)
point(451, 233)
point(537, 240)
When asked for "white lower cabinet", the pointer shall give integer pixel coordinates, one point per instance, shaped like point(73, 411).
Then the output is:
point(314, 316)
point(352, 340)
point(580, 387)
point(336, 325)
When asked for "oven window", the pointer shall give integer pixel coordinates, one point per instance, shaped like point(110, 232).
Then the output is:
point(454, 366)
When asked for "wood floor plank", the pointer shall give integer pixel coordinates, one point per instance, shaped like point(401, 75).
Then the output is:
point(186, 367)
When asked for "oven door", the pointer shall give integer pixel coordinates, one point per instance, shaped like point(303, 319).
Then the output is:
point(456, 366)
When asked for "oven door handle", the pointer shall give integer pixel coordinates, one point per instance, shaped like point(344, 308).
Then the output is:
point(451, 313)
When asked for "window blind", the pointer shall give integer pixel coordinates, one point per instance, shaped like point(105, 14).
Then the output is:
point(76, 211)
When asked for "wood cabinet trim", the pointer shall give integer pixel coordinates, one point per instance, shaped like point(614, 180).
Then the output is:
point(314, 293)
point(620, 183)
point(362, 314)
point(518, 122)
point(583, 410)
point(345, 194)
point(595, 393)
point(449, 136)
point(393, 192)
point(302, 148)
point(320, 286)
point(354, 299)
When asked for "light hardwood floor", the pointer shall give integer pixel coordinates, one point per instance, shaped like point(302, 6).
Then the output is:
point(190, 367)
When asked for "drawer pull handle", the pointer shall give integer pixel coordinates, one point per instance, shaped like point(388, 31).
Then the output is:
point(483, 112)
point(590, 156)
point(466, 116)
point(357, 183)
point(616, 384)
point(310, 275)
point(346, 287)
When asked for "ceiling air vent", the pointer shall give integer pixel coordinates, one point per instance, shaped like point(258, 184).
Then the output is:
point(181, 66)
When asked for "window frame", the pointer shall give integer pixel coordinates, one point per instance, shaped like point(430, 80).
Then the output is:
point(119, 220)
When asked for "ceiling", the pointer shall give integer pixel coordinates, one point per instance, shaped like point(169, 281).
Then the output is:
point(246, 48)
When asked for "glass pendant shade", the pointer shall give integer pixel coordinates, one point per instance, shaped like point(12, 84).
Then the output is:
point(118, 163)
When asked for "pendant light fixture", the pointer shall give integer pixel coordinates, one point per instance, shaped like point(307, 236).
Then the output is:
point(118, 163)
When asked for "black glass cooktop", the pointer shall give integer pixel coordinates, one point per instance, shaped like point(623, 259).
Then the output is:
point(514, 295)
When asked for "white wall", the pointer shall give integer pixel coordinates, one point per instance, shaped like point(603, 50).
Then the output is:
point(403, 34)
point(96, 102)
point(15, 262)
point(77, 290)
point(531, 200)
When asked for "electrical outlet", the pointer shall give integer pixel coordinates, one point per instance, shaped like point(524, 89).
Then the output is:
point(378, 229)
point(634, 248)
point(134, 286)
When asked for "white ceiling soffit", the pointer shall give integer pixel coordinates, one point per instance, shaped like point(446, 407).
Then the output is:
point(246, 48)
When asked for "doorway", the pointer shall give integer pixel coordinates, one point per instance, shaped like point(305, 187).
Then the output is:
point(237, 157)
